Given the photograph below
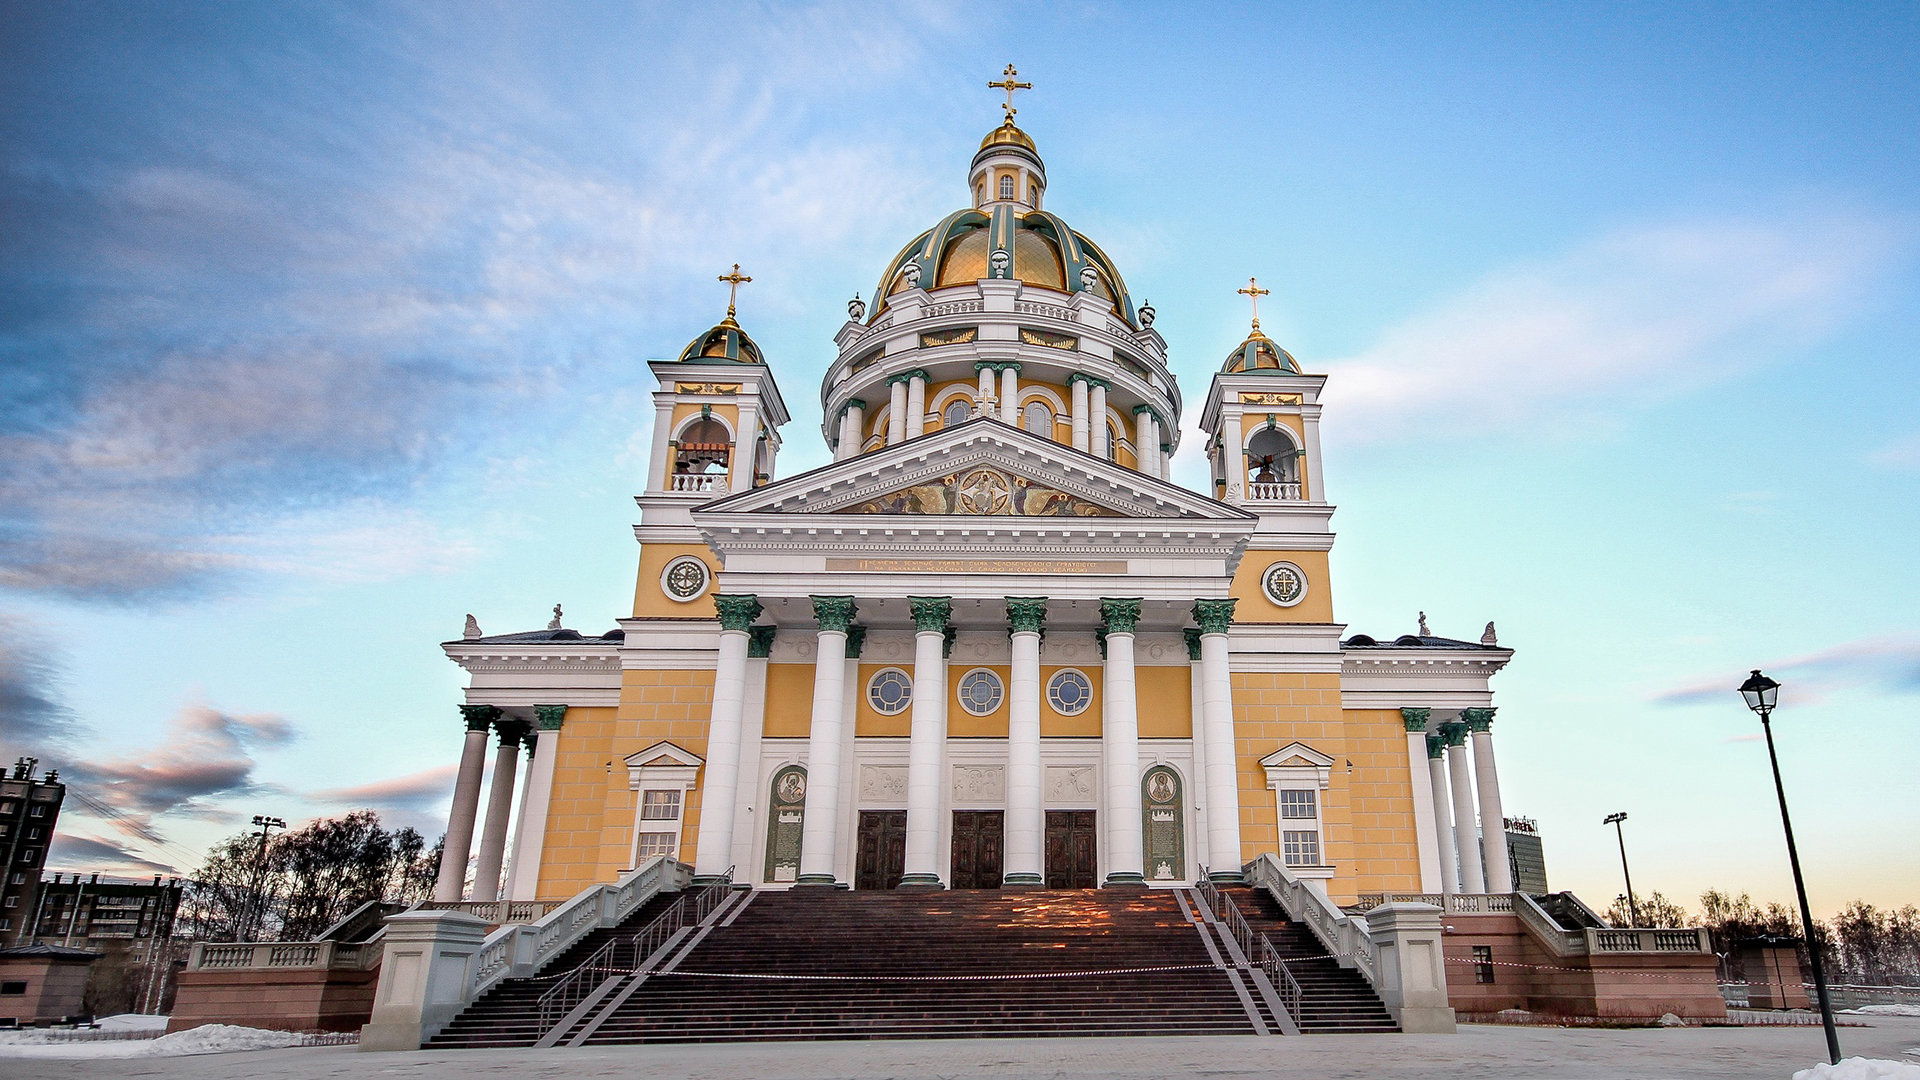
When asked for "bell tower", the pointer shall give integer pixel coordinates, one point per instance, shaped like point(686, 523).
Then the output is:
point(1262, 416)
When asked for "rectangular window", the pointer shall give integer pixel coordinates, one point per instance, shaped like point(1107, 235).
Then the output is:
point(13, 901)
point(5, 829)
point(6, 807)
point(659, 806)
point(1483, 964)
point(38, 811)
point(19, 878)
point(33, 833)
point(29, 856)
point(13, 988)
point(1300, 848)
point(657, 843)
point(1299, 805)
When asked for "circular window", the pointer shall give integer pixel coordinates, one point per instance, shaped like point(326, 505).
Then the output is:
point(1069, 692)
point(685, 578)
point(1284, 583)
point(980, 691)
point(890, 692)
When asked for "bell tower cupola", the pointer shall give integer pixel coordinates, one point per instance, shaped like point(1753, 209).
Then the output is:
point(1262, 418)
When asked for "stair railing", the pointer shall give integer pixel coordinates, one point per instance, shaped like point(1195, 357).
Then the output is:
point(629, 953)
point(1254, 945)
point(1345, 937)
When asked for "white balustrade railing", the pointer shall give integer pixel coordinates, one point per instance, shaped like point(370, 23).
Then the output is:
point(498, 912)
point(1345, 937)
point(1454, 904)
point(1645, 940)
point(284, 955)
point(694, 481)
point(955, 307)
point(1028, 307)
point(1268, 492)
point(521, 949)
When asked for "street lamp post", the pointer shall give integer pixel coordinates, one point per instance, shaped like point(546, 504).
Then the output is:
point(1633, 913)
point(260, 872)
point(1762, 694)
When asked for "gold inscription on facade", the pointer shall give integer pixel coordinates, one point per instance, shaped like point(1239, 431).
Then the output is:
point(980, 566)
point(706, 388)
point(1251, 397)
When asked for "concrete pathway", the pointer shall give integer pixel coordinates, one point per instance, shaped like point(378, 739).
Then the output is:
point(1477, 1053)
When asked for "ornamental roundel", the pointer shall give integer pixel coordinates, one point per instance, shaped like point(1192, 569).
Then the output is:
point(1284, 583)
point(984, 491)
point(1069, 692)
point(981, 691)
point(685, 578)
point(890, 691)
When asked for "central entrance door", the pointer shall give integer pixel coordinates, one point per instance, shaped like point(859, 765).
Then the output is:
point(977, 838)
point(882, 855)
point(1072, 850)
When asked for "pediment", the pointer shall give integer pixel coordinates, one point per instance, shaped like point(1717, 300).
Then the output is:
point(662, 754)
point(982, 468)
point(1297, 755)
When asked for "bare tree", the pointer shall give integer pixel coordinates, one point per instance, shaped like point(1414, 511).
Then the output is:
point(1653, 909)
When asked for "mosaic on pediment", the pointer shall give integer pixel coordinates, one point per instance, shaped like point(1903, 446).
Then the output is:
point(983, 492)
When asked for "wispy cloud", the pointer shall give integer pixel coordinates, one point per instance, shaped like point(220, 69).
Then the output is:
point(1634, 317)
point(72, 851)
point(33, 720)
point(206, 754)
point(1889, 664)
point(1901, 453)
point(426, 790)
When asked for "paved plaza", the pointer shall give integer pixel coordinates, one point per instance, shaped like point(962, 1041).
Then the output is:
point(1477, 1052)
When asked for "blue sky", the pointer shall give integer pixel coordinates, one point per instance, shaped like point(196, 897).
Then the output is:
point(324, 325)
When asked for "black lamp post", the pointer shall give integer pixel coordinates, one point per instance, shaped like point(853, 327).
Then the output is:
point(265, 823)
point(1633, 913)
point(1762, 694)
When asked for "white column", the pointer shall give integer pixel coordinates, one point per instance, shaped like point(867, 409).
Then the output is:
point(1097, 420)
point(1144, 444)
point(857, 423)
point(916, 404)
point(1223, 774)
point(986, 387)
point(493, 838)
point(1493, 820)
point(1415, 721)
point(1120, 746)
point(927, 740)
point(720, 787)
point(897, 412)
point(1079, 413)
point(1010, 394)
point(1197, 779)
point(1026, 821)
point(530, 836)
point(1166, 464)
point(662, 463)
point(1234, 458)
point(746, 446)
point(1316, 484)
point(821, 824)
point(849, 730)
point(749, 829)
point(1466, 837)
point(845, 446)
point(1442, 816)
point(452, 881)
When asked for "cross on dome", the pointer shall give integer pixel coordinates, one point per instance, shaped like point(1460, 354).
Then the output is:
point(737, 279)
point(1010, 86)
point(1253, 292)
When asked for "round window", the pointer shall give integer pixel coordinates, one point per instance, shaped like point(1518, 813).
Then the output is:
point(685, 578)
point(980, 691)
point(1069, 692)
point(1284, 583)
point(890, 692)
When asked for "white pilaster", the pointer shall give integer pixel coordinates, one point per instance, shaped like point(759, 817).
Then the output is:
point(746, 446)
point(1120, 747)
point(897, 413)
point(1234, 458)
point(493, 838)
point(927, 742)
point(662, 463)
point(720, 788)
point(1026, 821)
point(1493, 821)
point(1442, 817)
point(1466, 839)
point(1010, 394)
point(452, 881)
point(1080, 414)
point(822, 821)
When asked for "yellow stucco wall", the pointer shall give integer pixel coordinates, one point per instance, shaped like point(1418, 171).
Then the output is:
point(789, 712)
point(650, 600)
point(1254, 607)
point(1165, 702)
point(1084, 725)
point(1367, 828)
point(962, 724)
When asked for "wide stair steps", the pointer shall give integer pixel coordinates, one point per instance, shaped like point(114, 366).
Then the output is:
point(1332, 998)
point(905, 965)
point(509, 1014)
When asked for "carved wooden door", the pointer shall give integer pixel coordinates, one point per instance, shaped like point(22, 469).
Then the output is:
point(881, 859)
point(977, 839)
point(1072, 850)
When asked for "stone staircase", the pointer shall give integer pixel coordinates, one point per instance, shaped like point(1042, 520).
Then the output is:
point(826, 964)
point(1333, 998)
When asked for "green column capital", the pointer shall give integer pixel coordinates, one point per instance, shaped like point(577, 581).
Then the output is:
point(1119, 615)
point(1453, 734)
point(760, 641)
point(856, 403)
point(1415, 719)
point(1477, 719)
point(856, 641)
point(510, 732)
point(549, 717)
point(834, 612)
point(479, 717)
point(1193, 642)
point(1436, 747)
point(737, 611)
point(1100, 640)
point(1026, 614)
point(946, 641)
point(930, 612)
point(1215, 616)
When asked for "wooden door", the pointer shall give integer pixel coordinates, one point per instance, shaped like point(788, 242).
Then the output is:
point(977, 839)
point(881, 860)
point(1072, 850)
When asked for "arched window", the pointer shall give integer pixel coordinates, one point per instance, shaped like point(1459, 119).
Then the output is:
point(1006, 187)
point(1038, 419)
point(1273, 465)
point(1113, 443)
point(957, 412)
point(703, 448)
point(1033, 196)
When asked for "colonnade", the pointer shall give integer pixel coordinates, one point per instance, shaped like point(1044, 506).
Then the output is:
point(538, 739)
point(928, 779)
point(1469, 836)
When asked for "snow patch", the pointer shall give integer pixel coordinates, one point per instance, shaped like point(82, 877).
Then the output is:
point(206, 1039)
point(132, 1022)
point(1856, 1068)
point(1885, 1010)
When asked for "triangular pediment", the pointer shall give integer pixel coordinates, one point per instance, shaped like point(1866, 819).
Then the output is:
point(982, 468)
point(1296, 756)
point(662, 753)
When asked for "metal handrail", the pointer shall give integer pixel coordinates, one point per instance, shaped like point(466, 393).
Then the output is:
point(1255, 946)
point(628, 954)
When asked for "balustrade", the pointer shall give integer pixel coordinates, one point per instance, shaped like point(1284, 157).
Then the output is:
point(695, 481)
point(1270, 492)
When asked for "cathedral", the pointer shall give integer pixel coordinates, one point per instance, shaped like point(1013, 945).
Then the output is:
point(992, 644)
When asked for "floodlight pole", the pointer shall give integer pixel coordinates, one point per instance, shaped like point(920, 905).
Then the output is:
point(1633, 913)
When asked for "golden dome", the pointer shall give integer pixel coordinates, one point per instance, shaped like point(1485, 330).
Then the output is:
point(1259, 353)
point(1008, 135)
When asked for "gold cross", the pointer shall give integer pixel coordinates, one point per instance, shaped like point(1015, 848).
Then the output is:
point(737, 279)
point(1253, 291)
point(1010, 86)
